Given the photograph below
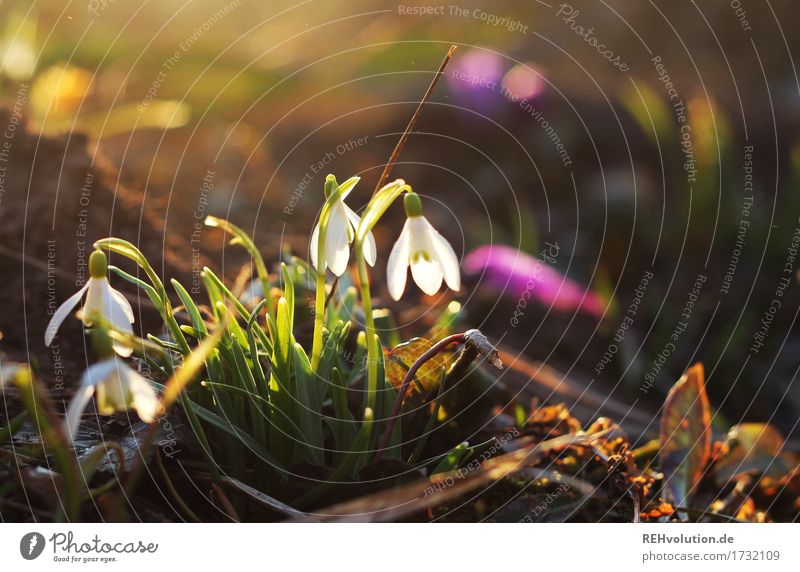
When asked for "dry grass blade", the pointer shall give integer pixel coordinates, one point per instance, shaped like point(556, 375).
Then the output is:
point(408, 499)
point(387, 170)
point(264, 499)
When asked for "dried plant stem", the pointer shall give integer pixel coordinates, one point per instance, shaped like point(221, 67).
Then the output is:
point(363, 275)
point(401, 394)
point(387, 170)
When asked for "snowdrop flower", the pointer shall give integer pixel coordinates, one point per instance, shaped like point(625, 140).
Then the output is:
point(101, 300)
point(427, 252)
point(117, 385)
point(341, 230)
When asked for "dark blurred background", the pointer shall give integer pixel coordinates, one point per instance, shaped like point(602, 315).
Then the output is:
point(633, 135)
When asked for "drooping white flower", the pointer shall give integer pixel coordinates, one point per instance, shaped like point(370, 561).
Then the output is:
point(341, 230)
point(101, 300)
point(427, 252)
point(118, 388)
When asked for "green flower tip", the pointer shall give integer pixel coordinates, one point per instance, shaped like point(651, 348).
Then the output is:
point(102, 344)
point(412, 204)
point(330, 185)
point(98, 264)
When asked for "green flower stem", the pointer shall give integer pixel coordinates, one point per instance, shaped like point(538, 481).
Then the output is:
point(242, 238)
point(378, 205)
point(319, 312)
point(369, 326)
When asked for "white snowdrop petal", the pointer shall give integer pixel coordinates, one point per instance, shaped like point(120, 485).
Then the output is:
point(110, 397)
point(129, 375)
point(61, 313)
point(112, 394)
point(124, 305)
point(143, 397)
point(370, 248)
point(96, 297)
point(418, 227)
point(352, 217)
point(425, 268)
point(98, 373)
point(121, 349)
point(447, 258)
point(397, 267)
point(427, 274)
point(314, 247)
point(117, 314)
point(337, 245)
point(76, 408)
point(116, 310)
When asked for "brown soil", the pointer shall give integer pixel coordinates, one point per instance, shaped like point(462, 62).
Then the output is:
point(58, 199)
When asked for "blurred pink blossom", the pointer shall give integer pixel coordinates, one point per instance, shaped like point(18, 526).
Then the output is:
point(476, 70)
point(524, 82)
point(475, 79)
point(519, 275)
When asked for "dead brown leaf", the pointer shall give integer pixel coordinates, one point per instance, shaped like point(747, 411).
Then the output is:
point(685, 436)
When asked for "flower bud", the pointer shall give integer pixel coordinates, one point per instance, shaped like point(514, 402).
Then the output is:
point(330, 185)
point(412, 204)
point(98, 264)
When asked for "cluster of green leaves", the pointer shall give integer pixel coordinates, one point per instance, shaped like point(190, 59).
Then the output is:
point(261, 410)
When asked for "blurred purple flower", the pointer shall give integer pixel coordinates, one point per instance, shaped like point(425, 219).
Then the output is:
point(514, 273)
point(476, 77)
